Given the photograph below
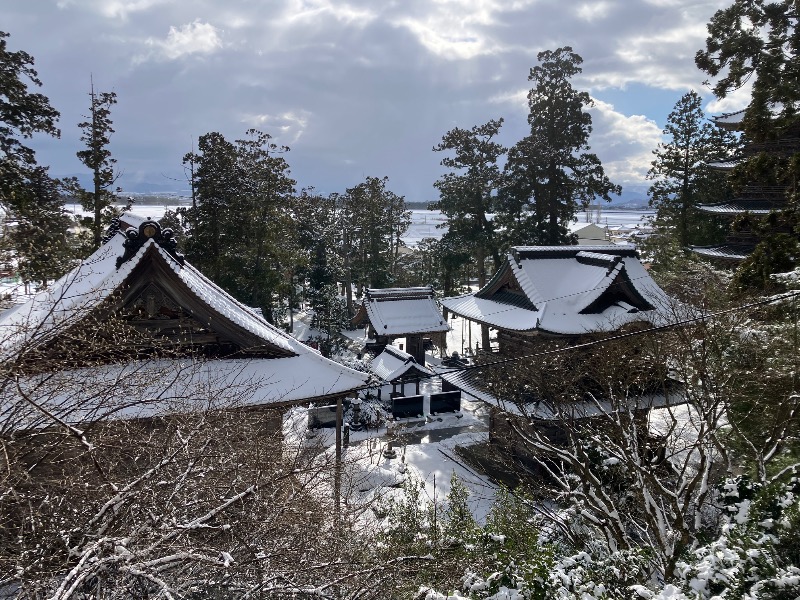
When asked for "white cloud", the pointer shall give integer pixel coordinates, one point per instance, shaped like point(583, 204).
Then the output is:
point(623, 142)
point(734, 101)
point(193, 38)
point(113, 9)
point(460, 29)
point(286, 127)
point(311, 10)
point(593, 11)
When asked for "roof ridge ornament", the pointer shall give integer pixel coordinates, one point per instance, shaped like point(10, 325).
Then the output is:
point(149, 230)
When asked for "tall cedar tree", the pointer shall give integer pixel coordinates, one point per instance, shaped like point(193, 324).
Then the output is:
point(373, 218)
point(22, 113)
point(468, 194)
point(263, 220)
point(319, 235)
point(97, 157)
point(215, 183)
point(550, 173)
point(758, 43)
point(241, 230)
point(682, 177)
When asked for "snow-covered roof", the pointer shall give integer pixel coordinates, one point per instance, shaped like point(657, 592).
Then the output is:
point(733, 253)
point(393, 363)
point(298, 372)
point(473, 383)
point(84, 288)
point(730, 120)
point(567, 290)
point(737, 207)
point(138, 389)
point(725, 165)
point(401, 311)
point(588, 232)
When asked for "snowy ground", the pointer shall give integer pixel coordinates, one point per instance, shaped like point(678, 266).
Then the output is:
point(425, 447)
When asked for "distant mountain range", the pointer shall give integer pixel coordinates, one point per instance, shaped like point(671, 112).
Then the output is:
point(633, 196)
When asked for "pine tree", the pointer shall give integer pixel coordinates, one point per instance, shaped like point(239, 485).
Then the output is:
point(241, 231)
point(374, 219)
point(22, 113)
point(681, 173)
point(97, 157)
point(551, 173)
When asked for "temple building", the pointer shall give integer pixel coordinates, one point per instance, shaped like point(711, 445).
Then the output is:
point(570, 295)
point(410, 313)
point(564, 291)
point(753, 202)
point(139, 323)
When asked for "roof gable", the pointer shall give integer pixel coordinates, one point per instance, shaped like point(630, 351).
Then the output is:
point(567, 290)
point(401, 311)
point(393, 363)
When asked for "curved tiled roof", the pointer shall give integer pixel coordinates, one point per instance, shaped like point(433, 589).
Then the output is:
point(569, 290)
point(393, 363)
point(402, 311)
point(300, 373)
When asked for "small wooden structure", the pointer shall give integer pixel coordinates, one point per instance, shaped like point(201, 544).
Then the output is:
point(411, 313)
point(397, 368)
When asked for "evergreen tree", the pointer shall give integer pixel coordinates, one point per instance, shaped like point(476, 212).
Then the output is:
point(374, 218)
point(551, 173)
point(263, 230)
point(241, 231)
point(758, 43)
point(41, 242)
point(215, 183)
point(468, 194)
point(681, 175)
point(97, 157)
point(22, 113)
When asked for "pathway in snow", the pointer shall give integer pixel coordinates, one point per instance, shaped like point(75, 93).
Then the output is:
point(426, 448)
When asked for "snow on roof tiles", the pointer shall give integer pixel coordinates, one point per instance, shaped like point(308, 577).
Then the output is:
point(76, 294)
point(562, 284)
point(737, 207)
point(393, 363)
point(472, 382)
point(139, 389)
point(399, 311)
point(723, 252)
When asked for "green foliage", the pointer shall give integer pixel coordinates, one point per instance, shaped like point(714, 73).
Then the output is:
point(682, 178)
point(468, 194)
point(755, 556)
point(775, 253)
point(241, 231)
point(22, 113)
point(756, 42)
point(41, 241)
point(373, 219)
point(550, 174)
point(96, 134)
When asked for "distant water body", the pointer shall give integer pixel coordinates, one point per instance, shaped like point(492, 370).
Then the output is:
point(428, 223)
point(432, 223)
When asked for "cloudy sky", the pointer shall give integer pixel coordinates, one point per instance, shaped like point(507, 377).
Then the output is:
point(355, 88)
